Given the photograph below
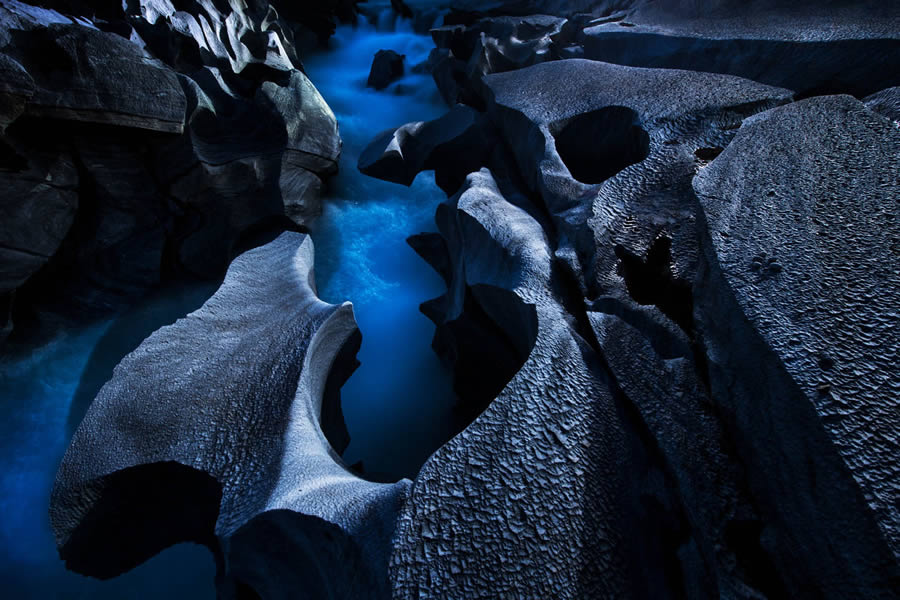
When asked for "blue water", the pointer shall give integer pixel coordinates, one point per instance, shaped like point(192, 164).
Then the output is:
point(398, 403)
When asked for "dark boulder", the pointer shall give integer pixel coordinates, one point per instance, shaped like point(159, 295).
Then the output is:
point(453, 146)
point(387, 67)
point(182, 141)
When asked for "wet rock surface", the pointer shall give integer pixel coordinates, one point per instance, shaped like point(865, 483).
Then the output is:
point(670, 312)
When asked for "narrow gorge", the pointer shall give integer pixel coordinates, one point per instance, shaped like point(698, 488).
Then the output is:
point(449, 299)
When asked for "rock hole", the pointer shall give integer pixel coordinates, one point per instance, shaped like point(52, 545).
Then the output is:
point(650, 282)
point(153, 506)
point(708, 154)
point(826, 363)
point(243, 591)
point(596, 145)
point(745, 538)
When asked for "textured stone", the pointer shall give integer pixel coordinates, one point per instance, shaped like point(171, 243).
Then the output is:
point(886, 102)
point(38, 208)
point(797, 303)
point(79, 74)
point(809, 47)
point(189, 128)
point(453, 146)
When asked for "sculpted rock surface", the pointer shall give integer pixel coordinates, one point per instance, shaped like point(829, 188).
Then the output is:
point(836, 47)
point(598, 176)
point(78, 74)
point(453, 146)
point(804, 250)
point(263, 449)
point(670, 312)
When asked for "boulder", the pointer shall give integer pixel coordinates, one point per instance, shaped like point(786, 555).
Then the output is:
point(78, 75)
point(453, 146)
point(188, 129)
point(387, 67)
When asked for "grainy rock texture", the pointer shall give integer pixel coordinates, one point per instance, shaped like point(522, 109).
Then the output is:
point(805, 249)
point(605, 170)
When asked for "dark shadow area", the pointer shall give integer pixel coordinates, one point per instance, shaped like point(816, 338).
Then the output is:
point(485, 346)
point(650, 281)
point(281, 552)
point(10, 160)
point(332, 421)
point(858, 67)
point(708, 154)
point(596, 145)
point(758, 565)
point(135, 514)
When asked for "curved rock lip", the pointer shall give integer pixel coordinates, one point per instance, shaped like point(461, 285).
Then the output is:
point(188, 445)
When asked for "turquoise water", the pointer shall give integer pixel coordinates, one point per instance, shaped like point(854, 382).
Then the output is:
point(397, 405)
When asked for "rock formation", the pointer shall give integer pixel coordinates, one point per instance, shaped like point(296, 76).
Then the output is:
point(671, 310)
point(154, 138)
point(263, 449)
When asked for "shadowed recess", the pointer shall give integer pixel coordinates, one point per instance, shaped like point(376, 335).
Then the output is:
point(485, 346)
point(139, 512)
point(596, 145)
